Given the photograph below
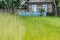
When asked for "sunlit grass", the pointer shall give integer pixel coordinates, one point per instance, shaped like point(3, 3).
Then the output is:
point(42, 28)
point(11, 27)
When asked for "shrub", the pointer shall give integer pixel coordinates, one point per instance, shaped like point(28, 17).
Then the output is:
point(50, 14)
point(41, 10)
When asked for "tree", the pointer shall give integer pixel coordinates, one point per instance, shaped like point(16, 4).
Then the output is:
point(7, 4)
point(59, 4)
point(14, 4)
point(11, 4)
point(55, 6)
point(55, 2)
point(2, 4)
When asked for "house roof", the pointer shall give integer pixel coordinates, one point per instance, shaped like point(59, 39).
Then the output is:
point(40, 0)
point(40, 3)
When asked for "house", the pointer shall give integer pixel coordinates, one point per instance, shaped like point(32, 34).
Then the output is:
point(36, 5)
point(47, 5)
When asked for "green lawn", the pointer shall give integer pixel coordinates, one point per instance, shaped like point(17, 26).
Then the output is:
point(42, 28)
point(29, 28)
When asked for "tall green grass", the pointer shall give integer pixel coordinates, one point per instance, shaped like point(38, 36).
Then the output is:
point(11, 27)
point(29, 28)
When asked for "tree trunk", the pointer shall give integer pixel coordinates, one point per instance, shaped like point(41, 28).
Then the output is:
point(12, 7)
point(55, 7)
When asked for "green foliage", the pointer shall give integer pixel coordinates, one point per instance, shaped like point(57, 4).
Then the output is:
point(2, 4)
point(14, 4)
point(8, 3)
point(57, 1)
point(41, 10)
point(59, 4)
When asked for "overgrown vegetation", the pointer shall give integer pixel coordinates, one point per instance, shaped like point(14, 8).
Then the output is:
point(41, 10)
point(13, 4)
point(11, 27)
point(58, 3)
point(29, 28)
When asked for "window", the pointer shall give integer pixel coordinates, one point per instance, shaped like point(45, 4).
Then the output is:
point(34, 7)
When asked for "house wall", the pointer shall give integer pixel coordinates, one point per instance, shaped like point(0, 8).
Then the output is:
point(50, 7)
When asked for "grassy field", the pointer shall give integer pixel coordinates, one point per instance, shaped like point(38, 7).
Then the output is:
point(42, 28)
point(29, 28)
point(11, 27)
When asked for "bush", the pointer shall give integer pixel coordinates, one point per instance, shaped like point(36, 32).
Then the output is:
point(41, 10)
point(50, 14)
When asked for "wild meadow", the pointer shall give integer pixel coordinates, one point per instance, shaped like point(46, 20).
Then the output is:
point(14, 27)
